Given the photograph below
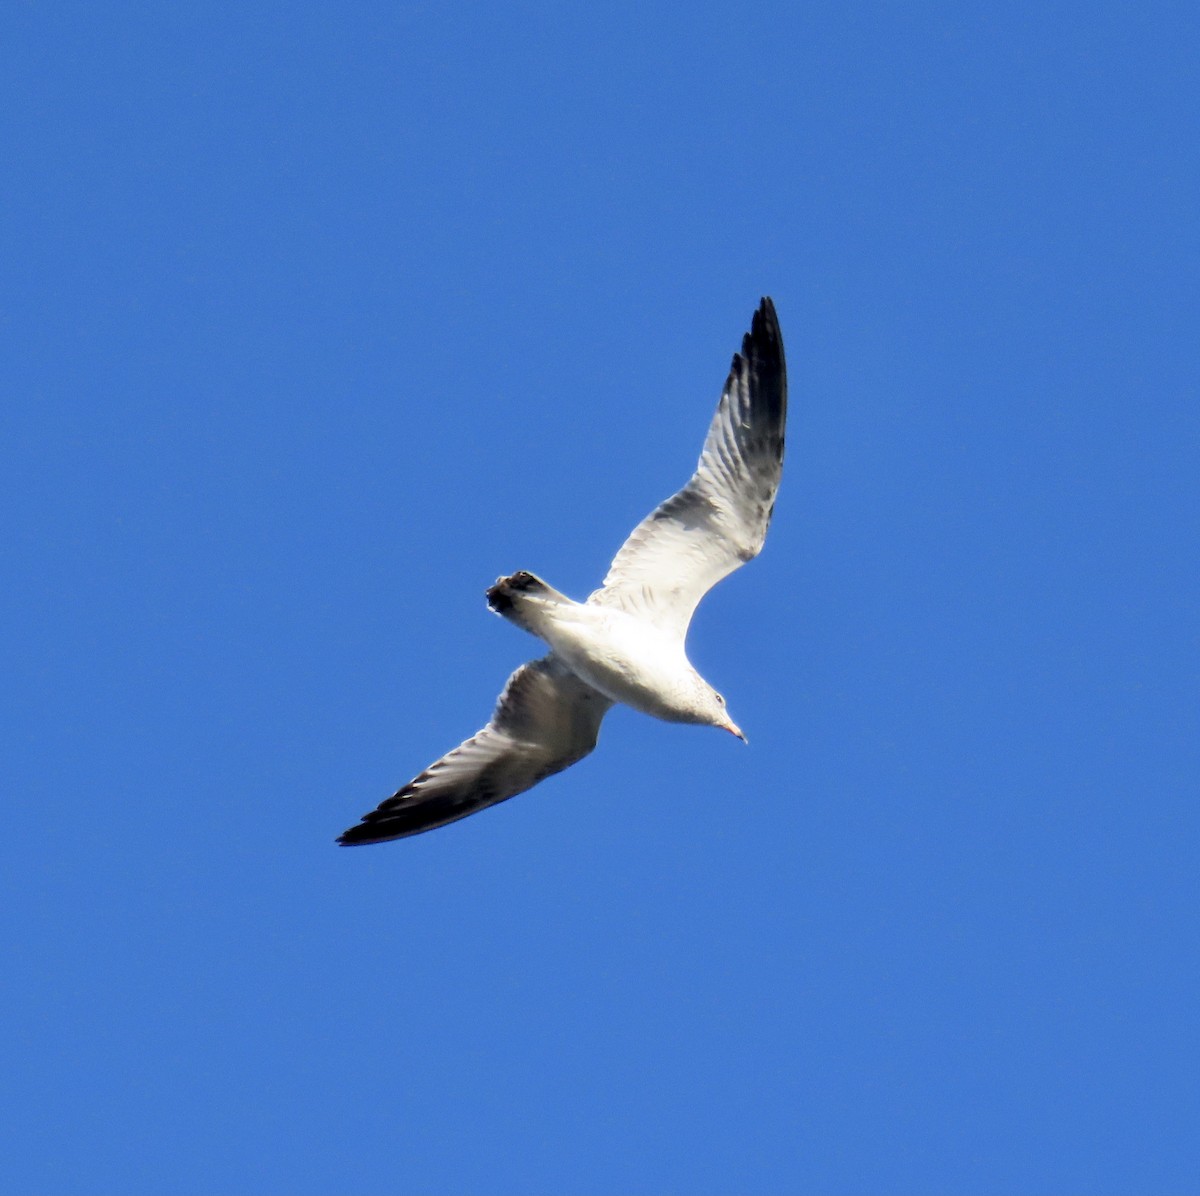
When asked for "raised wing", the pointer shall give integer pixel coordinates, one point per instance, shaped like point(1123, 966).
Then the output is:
point(719, 520)
point(546, 720)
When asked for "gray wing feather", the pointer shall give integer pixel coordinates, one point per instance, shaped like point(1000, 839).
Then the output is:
point(546, 720)
point(719, 520)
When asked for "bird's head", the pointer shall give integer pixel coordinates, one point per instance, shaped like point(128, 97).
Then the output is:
point(720, 717)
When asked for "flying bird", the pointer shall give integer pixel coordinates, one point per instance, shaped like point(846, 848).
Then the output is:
point(626, 642)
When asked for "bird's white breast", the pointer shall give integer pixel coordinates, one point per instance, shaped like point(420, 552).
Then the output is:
point(625, 658)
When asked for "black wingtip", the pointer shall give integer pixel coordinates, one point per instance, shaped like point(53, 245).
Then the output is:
point(764, 327)
point(357, 836)
point(376, 826)
point(373, 831)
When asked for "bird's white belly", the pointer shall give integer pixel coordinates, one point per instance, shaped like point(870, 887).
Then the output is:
point(626, 659)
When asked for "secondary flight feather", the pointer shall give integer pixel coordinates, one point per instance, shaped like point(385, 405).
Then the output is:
point(626, 642)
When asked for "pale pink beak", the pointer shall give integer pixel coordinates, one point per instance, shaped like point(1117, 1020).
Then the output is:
point(733, 729)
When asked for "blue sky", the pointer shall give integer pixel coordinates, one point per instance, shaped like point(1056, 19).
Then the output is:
point(315, 319)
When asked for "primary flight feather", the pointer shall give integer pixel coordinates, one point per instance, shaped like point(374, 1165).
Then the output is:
point(626, 642)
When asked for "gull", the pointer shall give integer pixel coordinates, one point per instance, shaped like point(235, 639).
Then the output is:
point(626, 642)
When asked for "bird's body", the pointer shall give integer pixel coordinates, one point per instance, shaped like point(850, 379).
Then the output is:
point(625, 658)
point(626, 642)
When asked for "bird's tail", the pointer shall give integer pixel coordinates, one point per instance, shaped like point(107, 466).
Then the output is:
point(525, 600)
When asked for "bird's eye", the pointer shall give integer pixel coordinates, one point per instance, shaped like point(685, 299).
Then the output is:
point(720, 699)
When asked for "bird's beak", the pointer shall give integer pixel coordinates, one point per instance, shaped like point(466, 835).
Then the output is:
point(734, 729)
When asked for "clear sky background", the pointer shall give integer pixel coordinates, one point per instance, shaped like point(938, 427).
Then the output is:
point(315, 319)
